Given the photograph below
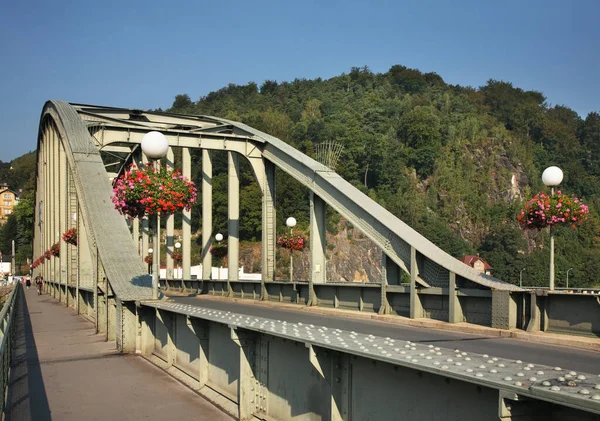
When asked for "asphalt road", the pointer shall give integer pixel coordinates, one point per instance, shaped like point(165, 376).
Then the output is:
point(551, 355)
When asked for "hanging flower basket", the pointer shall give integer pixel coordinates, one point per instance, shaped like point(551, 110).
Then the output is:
point(291, 241)
point(219, 250)
point(70, 236)
point(177, 256)
point(152, 189)
point(148, 259)
point(55, 249)
point(548, 211)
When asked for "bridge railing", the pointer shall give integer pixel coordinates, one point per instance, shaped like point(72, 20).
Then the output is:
point(277, 370)
point(7, 328)
point(363, 297)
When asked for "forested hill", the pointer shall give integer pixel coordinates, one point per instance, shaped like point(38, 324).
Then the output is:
point(19, 175)
point(453, 162)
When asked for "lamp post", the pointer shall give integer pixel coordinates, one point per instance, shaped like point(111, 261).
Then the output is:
point(291, 222)
point(177, 247)
point(552, 177)
point(155, 146)
point(219, 238)
point(150, 251)
point(521, 278)
point(570, 269)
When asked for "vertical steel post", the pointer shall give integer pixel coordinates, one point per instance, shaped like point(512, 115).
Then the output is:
point(186, 220)
point(206, 213)
point(233, 223)
point(552, 253)
point(170, 226)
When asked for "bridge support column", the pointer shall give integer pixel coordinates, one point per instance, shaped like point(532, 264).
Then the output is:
point(318, 242)
point(206, 213)
point(186, 220)
point(268, 225)
point(74, 254)
point(63, 204)
point(170, 226)
point(129, 326)
point(145, 230)
point(135, 234)
point(535, 316)
point(416, 307)
point(455, 312)
point(247, 384)
point(233, 220)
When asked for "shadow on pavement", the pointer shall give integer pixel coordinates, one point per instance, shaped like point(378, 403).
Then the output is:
point(26, 397)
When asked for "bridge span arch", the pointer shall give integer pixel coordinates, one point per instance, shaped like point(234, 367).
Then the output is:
point(81, 148)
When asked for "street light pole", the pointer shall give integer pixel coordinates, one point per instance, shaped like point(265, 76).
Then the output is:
point(570, 269)
point(155, 146)
point(291, 222)
point(552, 177)
point(521, 278)
point(219, 238)
point(177, 247)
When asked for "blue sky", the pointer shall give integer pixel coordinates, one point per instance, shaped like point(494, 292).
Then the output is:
point(140, 54)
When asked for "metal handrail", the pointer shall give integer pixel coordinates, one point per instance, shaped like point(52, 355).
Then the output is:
point(6, 341)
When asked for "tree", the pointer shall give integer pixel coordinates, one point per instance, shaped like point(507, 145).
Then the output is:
point(503, 248)
point(182, 103)
point(420, 130)
point(590, 139)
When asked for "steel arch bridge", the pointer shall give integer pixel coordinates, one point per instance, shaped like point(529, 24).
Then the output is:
point(81, 148)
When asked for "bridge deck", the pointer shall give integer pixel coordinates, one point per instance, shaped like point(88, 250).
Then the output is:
point(62, 370)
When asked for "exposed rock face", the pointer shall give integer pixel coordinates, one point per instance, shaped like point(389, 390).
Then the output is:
point(351, 257)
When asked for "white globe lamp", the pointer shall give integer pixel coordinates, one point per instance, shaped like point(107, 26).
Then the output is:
point(291, 222)
point(552, 176)
point(219, 237)
point(155, 145)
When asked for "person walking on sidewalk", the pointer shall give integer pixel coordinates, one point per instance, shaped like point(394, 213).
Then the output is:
point(27, 282)
point(39, 280)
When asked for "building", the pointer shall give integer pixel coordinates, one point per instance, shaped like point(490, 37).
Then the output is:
point(477, 263)
point(8, 200)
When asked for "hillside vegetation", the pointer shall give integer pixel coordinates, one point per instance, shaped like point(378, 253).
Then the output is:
point(453, 162)
point(456, 163)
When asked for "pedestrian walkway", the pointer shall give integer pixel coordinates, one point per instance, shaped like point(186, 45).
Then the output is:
point(63, 371)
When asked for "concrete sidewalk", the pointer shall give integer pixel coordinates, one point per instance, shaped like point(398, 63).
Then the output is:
point(62, 370)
